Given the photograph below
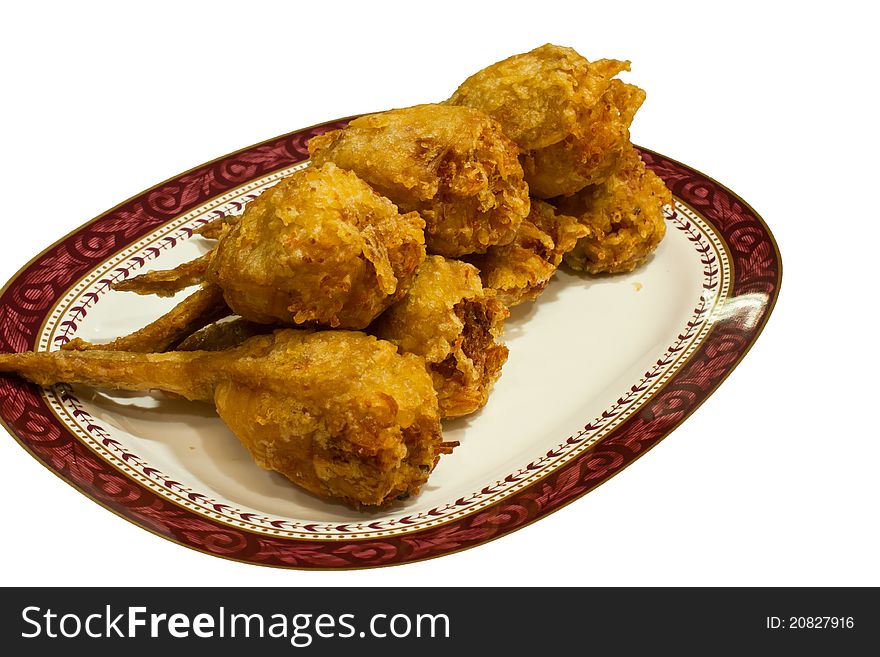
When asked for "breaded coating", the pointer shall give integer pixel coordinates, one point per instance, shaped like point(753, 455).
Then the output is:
point(451, 164)
point(624, 216)
point(453, 323)
point(199, 309)
point(569, 117)
point(521, 270)
point(594, 149)
point(339, 413)
point(319, 248)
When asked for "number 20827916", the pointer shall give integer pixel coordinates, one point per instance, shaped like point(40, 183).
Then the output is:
point(810, 623)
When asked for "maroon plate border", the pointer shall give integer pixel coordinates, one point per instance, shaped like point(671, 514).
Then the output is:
point(27, 298)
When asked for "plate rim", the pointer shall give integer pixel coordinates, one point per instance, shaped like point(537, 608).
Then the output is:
point(371, 555)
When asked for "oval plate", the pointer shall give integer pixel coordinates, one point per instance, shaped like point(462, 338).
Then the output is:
point(600, 370)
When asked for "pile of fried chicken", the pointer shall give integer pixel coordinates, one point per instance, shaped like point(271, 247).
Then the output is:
point(359, 301)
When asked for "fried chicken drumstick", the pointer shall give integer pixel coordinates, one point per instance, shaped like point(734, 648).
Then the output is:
point(319, 248)
point(569, 116)
point(339, 413)
point(449, 319)
point(451, 164)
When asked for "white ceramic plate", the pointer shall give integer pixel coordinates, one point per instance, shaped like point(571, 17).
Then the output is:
point(600, 369)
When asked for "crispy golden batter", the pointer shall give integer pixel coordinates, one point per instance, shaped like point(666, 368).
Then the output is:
point(521, 270)
point(452, 164)
point(568, 116)
point(199, 309)
point(624, 216)
point(593, 151)
point(449, 319)
point(339, 413)
point(320, 247)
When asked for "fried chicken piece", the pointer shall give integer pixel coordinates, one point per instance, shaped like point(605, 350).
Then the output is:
point(521, 270)
point(318, 248)
point(167, 282)
point(199, 309)
point(569, 116)
point(449, 319)
point(594, 149)
point(451, 164)
point(339, 413)
point(624, 216)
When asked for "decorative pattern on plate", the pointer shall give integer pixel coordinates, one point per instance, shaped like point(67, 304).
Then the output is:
point(724, 325)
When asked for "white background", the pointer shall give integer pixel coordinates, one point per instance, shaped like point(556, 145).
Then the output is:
point(773, 481)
